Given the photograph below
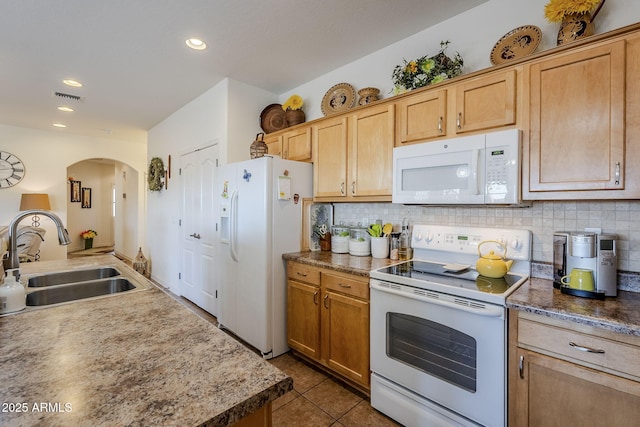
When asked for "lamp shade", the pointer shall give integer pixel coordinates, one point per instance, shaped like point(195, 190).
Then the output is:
point(35, 201)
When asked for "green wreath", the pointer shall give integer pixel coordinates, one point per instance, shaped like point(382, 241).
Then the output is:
point(156, 173)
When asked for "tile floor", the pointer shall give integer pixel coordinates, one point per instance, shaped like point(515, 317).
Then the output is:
point(317, 399)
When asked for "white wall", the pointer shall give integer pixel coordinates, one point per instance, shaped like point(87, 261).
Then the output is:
point(473, 34)
point(226, 114)
point(130, 209)
point(46, 155)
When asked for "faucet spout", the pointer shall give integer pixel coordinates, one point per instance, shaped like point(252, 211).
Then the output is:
point(13, 261)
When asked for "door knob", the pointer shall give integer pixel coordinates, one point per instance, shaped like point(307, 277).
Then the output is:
point(194, 235)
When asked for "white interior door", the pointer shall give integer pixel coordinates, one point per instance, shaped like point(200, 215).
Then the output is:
point(199, 282)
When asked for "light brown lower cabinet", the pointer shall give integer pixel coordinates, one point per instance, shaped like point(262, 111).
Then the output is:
point(565, 374)
point(328, 320)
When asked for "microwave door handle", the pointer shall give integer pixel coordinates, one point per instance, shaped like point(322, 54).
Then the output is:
point(474, 171)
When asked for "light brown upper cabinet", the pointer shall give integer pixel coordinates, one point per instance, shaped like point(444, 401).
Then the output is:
point(274, 144)
point(421, 117)
point(486, 102)
point(577, 116)
point(296, 144)
point(481, 103)
point(353, 155)
point(330, 138)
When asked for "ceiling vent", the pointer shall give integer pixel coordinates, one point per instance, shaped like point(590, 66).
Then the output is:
point(67, 96)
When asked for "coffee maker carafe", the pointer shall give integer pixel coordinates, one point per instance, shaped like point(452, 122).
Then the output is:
point(586, 250)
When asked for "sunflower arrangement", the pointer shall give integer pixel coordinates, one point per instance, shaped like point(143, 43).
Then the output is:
point(426, 70)
point(556, 10)
point(293, 103)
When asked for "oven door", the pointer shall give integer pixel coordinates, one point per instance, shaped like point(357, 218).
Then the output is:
point(448, 350)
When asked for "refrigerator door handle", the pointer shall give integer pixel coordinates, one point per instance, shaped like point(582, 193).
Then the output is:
point(233, 226)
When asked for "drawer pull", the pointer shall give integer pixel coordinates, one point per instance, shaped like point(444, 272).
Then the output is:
point(521, 367)
point(587, 349)
point(342, 285)
point(301, 274)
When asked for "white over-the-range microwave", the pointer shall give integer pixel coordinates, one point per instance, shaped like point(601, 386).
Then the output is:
point(479, 169)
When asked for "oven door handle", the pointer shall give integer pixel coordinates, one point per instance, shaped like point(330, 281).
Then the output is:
point(487, 310)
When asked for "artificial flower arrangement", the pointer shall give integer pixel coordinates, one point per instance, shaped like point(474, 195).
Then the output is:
point(557, 10)
point(88, 234)
point(293, 103)
point(426, 70)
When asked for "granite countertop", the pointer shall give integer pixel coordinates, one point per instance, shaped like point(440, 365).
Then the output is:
point(618, 314)
point(356, 265)
point(132, 359)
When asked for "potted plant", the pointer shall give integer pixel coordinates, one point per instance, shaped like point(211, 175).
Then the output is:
point(575, 17)
point(426, 70)
point(293, 110)
point(88, 236)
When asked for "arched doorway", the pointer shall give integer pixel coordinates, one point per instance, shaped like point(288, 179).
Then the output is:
point(107, 202)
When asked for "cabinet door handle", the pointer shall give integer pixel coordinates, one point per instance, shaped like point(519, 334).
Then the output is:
point(521, 367)
point(326, 300)
point(440, 125)
point(194, 235)
point(344, 285)
point(315, 298)
point(617, 173)
point(353, 188)
point(459, 120)
point(587, 349)
point(342, 188)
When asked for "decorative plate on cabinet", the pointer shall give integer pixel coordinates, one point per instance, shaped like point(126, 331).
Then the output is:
point(273, 118)
point(516, 44)
point(338, 99)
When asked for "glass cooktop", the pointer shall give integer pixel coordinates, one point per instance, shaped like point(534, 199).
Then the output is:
point(467, 278)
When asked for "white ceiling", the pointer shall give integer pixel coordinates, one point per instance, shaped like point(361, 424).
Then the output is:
point(136, 69)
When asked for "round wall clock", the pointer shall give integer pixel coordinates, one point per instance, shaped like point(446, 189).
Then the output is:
point(11, 170)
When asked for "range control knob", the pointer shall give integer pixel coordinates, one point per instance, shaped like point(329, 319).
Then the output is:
point(515, 244)
point(417, 236)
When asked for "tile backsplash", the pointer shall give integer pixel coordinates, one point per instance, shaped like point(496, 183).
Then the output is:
point(542, 218)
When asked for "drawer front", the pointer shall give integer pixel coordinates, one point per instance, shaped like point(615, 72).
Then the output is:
point(346, 285)
point(579, 347)
point(303, 273)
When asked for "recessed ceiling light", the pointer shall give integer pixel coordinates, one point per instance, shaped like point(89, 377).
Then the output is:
point(59, 125)
point(72, 83)
point(65, 109)
point(196, 44)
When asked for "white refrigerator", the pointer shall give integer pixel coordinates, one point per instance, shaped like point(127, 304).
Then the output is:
point(260, 219)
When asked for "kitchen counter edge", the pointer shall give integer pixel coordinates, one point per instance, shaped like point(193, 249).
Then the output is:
point(619, 314)
point(345, 263)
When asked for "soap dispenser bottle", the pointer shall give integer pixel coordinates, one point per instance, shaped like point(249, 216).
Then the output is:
point(405, 252)
point(12, 295)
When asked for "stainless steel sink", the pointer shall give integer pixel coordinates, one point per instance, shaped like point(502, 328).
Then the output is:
point(71, 276)
point(76, 291)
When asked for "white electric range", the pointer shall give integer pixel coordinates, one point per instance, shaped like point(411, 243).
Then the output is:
point(439, 329)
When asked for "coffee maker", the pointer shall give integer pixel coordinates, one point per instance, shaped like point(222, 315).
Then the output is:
point(586, 250)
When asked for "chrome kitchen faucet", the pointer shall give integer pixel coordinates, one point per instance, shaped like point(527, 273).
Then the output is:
point(13, 262)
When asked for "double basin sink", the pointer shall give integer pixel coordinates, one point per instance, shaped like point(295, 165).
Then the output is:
point(73, 285)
